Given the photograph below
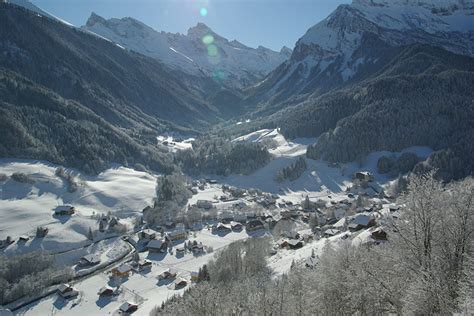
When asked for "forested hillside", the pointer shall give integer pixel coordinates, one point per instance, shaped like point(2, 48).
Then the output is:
point(423, 97)
point(36, 123)
point(123, 87)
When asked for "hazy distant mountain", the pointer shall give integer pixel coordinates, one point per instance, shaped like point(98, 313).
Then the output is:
point(356, 40)
point(201, 52)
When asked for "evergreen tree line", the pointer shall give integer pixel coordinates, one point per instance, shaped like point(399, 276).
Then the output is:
point(35, 123)
point(216, 155)
point(28, 274)
point(426, 268)
point(293, 171)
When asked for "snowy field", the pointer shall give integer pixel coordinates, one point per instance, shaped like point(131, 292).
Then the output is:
point(318, 181)
point(122, 191)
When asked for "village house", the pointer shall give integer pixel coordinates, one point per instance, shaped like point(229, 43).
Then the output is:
point(66, 291)
point(24, 238)
point(236, 226)
point(379, 234)
point(128, 307)
point(123, 270)
point(254, 225)
point(180, 283)
point(89, 260)
point(364, 176)
point(167, 274)
point(177, 234)
point(157, 245)
point(64, 210)
point(142, 264)
point(222, 228)
point(147, 234)
point(295, 243)
point(361, 221)
point(106, 291)
point(198, 249)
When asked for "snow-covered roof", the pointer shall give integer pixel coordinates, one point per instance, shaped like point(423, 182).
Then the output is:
point(156, 243)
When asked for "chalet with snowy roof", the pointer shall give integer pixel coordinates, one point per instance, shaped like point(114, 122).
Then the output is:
point(295, 243)
point(123, 270)
point(66, 291)
point(222, 228)
point(128, 307)
point(379, 234)
point(198, 248)
point(64, 210)
point(364, 176)
point(236, 226)
point(180, 283)
point(147, 234)
point(89, 260)
point(168, 274)
point(331, 232)
point(106, 291)
point(254, 225)
point(157, 245)
point(361, 221)
point(177, 234)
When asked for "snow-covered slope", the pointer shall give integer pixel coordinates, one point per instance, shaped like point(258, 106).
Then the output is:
point(30, 6)
point(201, 52)
point(355, 39)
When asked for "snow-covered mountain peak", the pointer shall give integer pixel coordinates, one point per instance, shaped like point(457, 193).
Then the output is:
point(195, 53)
point(200, 30)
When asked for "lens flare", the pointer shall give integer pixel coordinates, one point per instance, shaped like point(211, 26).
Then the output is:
point(208, 39)
point(212, 50)
point(203, 11)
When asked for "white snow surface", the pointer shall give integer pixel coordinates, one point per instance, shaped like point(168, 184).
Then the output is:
point(122, 191)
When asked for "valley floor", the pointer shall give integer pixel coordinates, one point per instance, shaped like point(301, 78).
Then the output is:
point(123, 193)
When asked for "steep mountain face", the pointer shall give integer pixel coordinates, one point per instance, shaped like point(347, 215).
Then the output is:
point(201, 52)
point(30, 6)
point(358, 39)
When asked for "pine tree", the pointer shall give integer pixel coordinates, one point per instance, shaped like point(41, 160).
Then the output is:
point(90, 235)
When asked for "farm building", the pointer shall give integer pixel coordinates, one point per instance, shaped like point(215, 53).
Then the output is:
point(128, 307)
point(157, 245)
point(106, 291)
point(168, 274)
point(177, 234)
point(66, 291)
point(147, 234)
point(122, 270)
point(89, 260)
point(254, 225)
point(63, 210)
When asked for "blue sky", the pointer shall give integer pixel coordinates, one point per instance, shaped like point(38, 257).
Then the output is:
point(271, 23)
